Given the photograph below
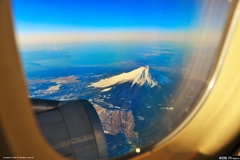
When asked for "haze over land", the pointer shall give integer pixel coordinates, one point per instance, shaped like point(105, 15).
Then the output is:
point(113, 36)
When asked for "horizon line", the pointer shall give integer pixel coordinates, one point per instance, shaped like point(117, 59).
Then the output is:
point(123, 35)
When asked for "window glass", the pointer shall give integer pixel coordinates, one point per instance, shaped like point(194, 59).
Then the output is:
point(142, 64)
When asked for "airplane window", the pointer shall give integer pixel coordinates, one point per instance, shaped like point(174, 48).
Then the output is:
point(143, 65)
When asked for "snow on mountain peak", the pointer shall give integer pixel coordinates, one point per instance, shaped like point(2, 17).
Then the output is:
point(138, 76)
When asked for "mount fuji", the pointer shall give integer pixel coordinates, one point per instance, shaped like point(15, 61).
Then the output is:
point(143, 75)
point(139, 87)
point(140, 92)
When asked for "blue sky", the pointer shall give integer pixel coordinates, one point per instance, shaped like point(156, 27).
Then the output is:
point(97, 20)
point(52, 15)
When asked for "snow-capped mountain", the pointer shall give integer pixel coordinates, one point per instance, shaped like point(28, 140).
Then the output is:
point(138, 76)
point(140, 92)
point(139, 87)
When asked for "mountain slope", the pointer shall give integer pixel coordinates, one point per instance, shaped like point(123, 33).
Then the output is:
point(138, 76)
